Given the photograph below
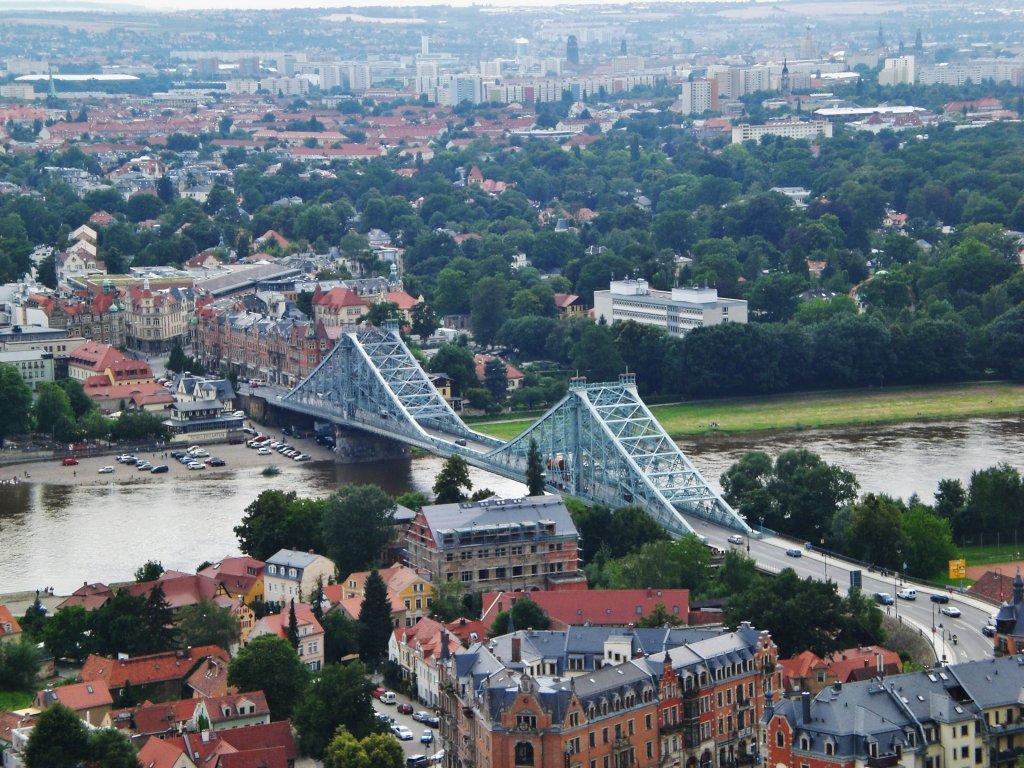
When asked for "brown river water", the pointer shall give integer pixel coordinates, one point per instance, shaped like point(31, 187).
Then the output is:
point(60, 531)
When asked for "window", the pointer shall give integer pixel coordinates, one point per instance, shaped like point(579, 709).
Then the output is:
point(592, 739)
point(964, 752)
point(805, 743)
point(524, 753)
point(650, 750)
point(830, 748)
point(780, 739)
point(647, 722)
point(526, 720)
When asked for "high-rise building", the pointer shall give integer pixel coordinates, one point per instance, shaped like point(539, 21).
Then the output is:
point(465, 88)
point(359, 78)
point(425, 45)
point(807, 47)
point(522, 46)
point(898, 71)
point(784, 78)
point(572, 50)
point(698, 97)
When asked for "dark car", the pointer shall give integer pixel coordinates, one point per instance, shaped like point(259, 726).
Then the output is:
point(177, 454)
point(794, 553)
point(884, 598)
point(988, 630)
point(159, 469)
point(405, 709)
point(939, 598)
point(215, 462)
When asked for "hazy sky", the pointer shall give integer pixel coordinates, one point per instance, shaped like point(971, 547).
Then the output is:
point(192, 5)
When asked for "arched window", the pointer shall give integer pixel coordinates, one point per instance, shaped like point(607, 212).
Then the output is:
point(830, 748)
point(780, 739)
point(805, 743)
point(524, 753)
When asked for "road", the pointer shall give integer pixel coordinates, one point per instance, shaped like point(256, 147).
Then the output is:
point(415, 746)
point(770, 555)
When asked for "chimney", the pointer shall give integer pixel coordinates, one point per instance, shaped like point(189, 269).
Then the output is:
point(517, 650)
point(805, 702)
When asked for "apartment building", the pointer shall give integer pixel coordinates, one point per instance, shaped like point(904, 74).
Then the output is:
point(156, 320)
point(513, 544)
point(959, 716)
point(291, 574)
point(600, 697)
point(788, 129)
point(678, 311)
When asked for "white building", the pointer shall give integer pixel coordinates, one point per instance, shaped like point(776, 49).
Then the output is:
point(790, 129)
point(898, 71)
point(698, 97)
point(677, 311)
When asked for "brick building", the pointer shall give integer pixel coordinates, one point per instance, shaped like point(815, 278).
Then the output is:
point(598, 697)
point(515, 544)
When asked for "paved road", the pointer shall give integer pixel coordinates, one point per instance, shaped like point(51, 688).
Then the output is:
point(770, 554)
point(415, 746)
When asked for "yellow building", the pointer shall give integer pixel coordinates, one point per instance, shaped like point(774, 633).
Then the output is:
point(406, 586)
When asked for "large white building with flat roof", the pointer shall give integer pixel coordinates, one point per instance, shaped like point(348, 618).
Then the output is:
point(678, 311)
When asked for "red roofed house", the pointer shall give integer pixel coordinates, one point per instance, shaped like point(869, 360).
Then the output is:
point(10, 629)
point(158, 676)
point(210, 678)
point(234, 710)
point(90, 701)
point(338, 307)
point(149, 719)
point(271, 757)
point(417, 651)
point(514, 375)
point(156, 753)
point(412, 590)
point(180, 589)
point(89, 596)
point(95, 359)
point(270, 236)
point(405, 303)
point(333, 594)
point(238, 577)
point(808, 672)
point(570, 305)
point(311, 634)
point(603, 607)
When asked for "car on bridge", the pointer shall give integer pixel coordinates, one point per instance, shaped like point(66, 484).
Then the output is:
point(735, 539)
point(907, 594)
point(884, 598)
point(988, 630)
point(950, 610)
point(937, 598)
point(794, 553)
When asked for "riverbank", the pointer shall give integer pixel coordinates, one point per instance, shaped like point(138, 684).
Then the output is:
point(820, 409)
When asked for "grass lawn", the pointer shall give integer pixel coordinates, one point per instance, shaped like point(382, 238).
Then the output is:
point(15, 699)
point(808, 411)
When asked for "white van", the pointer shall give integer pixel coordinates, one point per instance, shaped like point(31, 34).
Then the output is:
point(388, 698)
point(907, 594)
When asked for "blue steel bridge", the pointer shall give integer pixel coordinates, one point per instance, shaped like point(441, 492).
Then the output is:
point(600, 443)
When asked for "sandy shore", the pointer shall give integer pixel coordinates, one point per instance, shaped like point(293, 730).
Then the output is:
point(87, 470)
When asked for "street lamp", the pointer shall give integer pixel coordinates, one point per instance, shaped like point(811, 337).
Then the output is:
point(761, 518)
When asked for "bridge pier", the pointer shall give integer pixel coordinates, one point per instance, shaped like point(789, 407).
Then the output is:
point(353, 446)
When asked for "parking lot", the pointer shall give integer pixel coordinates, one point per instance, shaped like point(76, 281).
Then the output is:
point(414, 746)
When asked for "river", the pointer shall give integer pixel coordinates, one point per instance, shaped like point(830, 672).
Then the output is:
point(61, 535)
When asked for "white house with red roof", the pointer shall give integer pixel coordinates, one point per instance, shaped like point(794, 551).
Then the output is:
point(418, 650)
point(514, 375)
point(338, 307)
point(95, 359)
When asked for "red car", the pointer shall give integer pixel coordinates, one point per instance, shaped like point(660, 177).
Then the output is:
point(378, 692)
point(405, 709)
point(69, 461)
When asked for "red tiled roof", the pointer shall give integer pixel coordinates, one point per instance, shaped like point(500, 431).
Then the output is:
point(480, 362)
point(77, 696)
point(157, 753)
point(269, 757)
point(210, 678)
point(225, 708)
point(89, 596)
point(9, 625)
point(339, 297)
point(145, 670)
point(180, 589)
point(162, 718)
point(276, 734)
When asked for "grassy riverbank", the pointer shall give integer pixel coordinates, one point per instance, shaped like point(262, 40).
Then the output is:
point(809, 411)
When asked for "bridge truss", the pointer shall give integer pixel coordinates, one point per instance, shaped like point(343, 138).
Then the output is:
point(600, 443)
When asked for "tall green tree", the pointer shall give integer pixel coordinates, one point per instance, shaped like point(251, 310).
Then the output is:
point(340, 696)
point(278, 520)
point(53, 413)
point(293, 625)
point(452, 479)
point(270, 664)
point(111, 748)
point(375, 620)
point(159, 621)
point(341, 636)
point(19, 664)
point(149, 571)
point(534, 470)
point(358, 522)
point(206, 623)
point(58, 740)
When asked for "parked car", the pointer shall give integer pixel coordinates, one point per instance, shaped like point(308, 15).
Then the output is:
point(421, 716)
point(196, 465)
point(939, 598)
point(402, 732)
point(143, 465)
point(385, 718)
point(160, 469)
point(107, 470)
point(417, 761)
point(433, 721)
point(405, 709)
point(794, 553)
point(378, 692)
point(177, 454)
point(264, 452)
point(389, 698)
point(950, 610)
point(215, 462)
point(302, 457)
point(427, 737)
point(988, 630)
point(69, 461)
point(884, 598)
point(123, 458)
point(735, 539)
